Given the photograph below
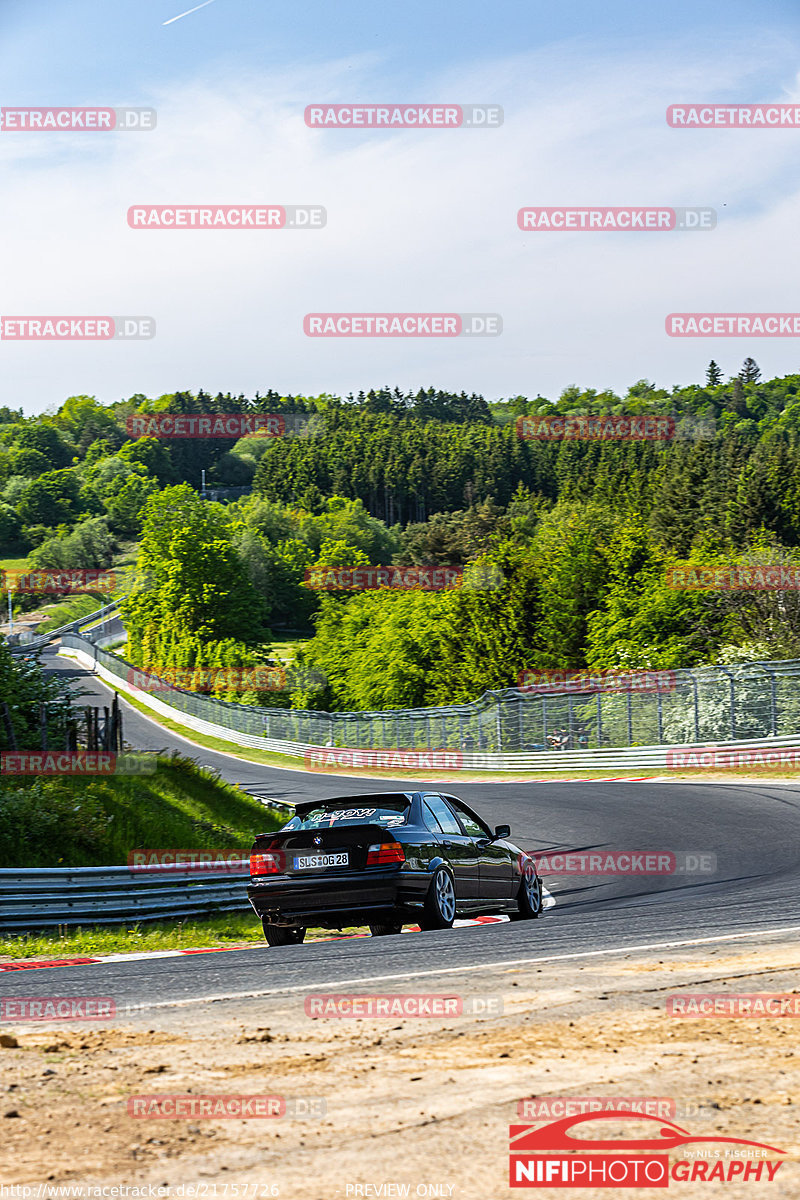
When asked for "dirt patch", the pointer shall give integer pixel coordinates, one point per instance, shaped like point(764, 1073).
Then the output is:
point(420, 1102)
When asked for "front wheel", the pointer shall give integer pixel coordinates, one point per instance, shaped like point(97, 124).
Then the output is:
point(529, 896)
point(283, 935)
point(440, 903)
point(384, 928)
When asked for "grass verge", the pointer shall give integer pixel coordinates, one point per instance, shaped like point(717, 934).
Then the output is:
point(224, 929)
point(14, 564)
point(85, 821)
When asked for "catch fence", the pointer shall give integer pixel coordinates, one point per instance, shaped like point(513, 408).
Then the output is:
point(707, 704)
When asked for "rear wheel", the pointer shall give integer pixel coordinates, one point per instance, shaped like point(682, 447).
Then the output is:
point(283, 935)
point(383, 928)
point(440, 903)
point(529, 896)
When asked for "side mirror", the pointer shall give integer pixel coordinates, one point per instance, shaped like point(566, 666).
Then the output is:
point(502, 831)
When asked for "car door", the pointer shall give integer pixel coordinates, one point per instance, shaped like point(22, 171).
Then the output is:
point(494, 859)
point(459, 849)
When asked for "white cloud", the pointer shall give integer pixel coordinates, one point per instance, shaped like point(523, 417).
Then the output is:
point(416, 222)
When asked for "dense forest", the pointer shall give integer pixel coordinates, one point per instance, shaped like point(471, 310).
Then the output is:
point(576, 536)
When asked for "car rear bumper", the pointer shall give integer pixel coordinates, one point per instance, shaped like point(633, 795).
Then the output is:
point(312, 898)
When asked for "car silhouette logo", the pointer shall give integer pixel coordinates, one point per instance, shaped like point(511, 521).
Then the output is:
point(557, 1135)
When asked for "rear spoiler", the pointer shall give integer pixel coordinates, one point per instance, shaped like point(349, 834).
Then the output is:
point(304, 806)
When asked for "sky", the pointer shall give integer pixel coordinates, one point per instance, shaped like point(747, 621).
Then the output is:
point(418, 221)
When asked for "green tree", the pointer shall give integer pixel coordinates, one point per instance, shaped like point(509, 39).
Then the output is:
point(48, 441)
point(750, 372)
point(195, 583)
point(52, 499)
point(126, 503)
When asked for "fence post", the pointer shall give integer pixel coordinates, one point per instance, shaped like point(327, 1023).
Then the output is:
point(773, 700)
point(630, 719)
point(732, 687)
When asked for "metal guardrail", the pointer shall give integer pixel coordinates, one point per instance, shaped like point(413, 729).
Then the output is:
point(44, 897)
point(38, 643)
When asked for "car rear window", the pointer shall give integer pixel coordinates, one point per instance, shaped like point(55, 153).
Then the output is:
point(327, 816)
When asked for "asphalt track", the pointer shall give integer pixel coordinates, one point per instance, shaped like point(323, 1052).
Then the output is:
point(753, 829)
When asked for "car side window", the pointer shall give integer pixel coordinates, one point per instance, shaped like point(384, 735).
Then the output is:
point(429, 817)
point(473, 827)
point(442, 813)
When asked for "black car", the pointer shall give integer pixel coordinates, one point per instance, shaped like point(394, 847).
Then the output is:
point(384, 860)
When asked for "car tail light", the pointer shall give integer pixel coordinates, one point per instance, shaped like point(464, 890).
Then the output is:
point(266, 864)
point(382, 854)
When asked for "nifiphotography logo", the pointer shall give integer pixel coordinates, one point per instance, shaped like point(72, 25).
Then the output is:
point(554, 1155)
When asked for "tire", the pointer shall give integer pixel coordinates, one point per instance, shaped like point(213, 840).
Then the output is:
point(440, 903)
point(384, 928)
point(529, 896)
point(283, 935)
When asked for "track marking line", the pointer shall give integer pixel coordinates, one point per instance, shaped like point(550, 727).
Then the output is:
point(511, 962)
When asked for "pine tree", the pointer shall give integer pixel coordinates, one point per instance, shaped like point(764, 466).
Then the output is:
point(750, 372)
point(738, 401)
point(713, 374)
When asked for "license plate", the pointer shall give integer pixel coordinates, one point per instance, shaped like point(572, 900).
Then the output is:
point(307, 862)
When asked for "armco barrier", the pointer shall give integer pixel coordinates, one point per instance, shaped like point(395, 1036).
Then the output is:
point(41, 897)
point(38, 643)
point(617, 758)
